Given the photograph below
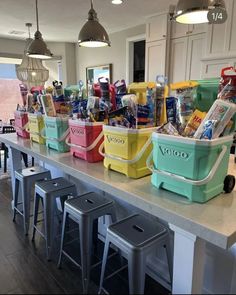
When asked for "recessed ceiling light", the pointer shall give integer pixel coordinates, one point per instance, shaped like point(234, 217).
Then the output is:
point(117, 2)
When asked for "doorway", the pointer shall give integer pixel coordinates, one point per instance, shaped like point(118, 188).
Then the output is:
point(135, 59)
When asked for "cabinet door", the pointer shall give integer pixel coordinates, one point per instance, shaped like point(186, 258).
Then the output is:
point(155, 59)
point(178, 59)
point(156, 28)
point(221, 39)
point(179, 30)
point(196, 51)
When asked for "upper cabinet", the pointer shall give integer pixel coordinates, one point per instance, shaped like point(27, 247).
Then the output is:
point(157, 40)
point(180, 30)
point(221, 39)
point(156, 28)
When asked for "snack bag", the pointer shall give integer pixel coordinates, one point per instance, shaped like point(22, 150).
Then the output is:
point(171, 110)
point(48, 105)
point(193, 123)
point(120, 91)
point(123, 117)
point(216, 119)
point(169, 129)
point(150, 94)
point(185, 106)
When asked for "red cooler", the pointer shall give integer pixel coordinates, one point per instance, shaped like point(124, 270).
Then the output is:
point(85, 139)
point(21, 122)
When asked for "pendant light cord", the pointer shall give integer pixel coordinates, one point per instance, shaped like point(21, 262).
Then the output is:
point(37, 17)
point(92, 4)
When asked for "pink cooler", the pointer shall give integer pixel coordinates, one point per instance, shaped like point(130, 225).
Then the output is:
point(85, 139)
point(21, 122)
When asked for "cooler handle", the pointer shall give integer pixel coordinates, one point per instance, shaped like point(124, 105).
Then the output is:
point(227, 69)
point(60, 139)
point(183, 179)
point(86, 149)
point(134, 160)
point(25, 127)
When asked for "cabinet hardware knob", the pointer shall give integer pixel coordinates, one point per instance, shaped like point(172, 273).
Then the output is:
point(164, 36)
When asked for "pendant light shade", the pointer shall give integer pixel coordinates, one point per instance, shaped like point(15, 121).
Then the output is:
point(38, 48)
point(31, 71)
point(195, 11)
point(92, 33)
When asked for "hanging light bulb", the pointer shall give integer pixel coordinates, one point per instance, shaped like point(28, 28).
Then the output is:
point(195, 11)
point(38, 48)
point(92, 33)
point(31, 71)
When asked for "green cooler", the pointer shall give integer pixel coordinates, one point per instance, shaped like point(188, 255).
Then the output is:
point(192, 168)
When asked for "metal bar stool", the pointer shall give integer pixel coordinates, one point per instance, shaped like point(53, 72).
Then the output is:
point(48, 192)
point(137, 237)
point(84, 210)
point(25, 180)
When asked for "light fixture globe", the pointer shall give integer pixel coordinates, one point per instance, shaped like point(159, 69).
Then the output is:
point(195, 11)
point(38, 48)
point(93, 33)
point(31, 71)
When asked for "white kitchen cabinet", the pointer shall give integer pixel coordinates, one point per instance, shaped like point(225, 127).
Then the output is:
point(181, 30)
point(212, 68)
point(221, 39)
point(156, 27)
point(185, 58)
point(155, 59)
point(178, 59)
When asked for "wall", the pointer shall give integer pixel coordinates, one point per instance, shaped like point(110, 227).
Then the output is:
point(60, 50)
point(116, 54)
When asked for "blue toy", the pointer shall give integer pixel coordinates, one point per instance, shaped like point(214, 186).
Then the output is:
point(208, 130)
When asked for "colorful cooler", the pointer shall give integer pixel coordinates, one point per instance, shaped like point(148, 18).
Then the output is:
point(36, 128)
point(56, 132)
point(21, 124)
point(126, 150)
point(193, 168)
point(85, 139)
point(206, 93)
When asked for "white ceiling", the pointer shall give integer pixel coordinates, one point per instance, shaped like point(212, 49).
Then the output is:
point(61, 20)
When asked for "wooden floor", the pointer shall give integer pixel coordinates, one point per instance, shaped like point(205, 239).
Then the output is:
point(24, 269)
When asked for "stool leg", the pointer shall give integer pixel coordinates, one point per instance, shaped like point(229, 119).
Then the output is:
point(169, 259)
point(62, 237)
point(104, 261)
point(26, 196)
point(15, 199)
point(136, 265)
point(48, 223)
point(85, 229)
point(36, 211)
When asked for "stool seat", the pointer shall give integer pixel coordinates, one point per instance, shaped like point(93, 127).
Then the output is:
point(137, 237)
point(54, 185)
point(137, 230)
point(30, 172)
point(87, 203)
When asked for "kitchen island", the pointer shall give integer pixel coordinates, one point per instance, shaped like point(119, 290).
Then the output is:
point(193, 224)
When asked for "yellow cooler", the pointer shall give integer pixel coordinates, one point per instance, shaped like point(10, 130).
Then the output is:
point(126, 150)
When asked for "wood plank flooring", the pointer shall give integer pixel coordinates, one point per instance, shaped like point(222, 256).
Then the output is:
point(24, 269)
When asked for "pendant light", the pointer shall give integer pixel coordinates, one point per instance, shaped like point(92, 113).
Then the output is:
point(38, 48)
point(31, 71)
point(195, 11)
point(92, 33)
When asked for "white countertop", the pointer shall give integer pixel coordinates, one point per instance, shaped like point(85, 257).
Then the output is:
point(214, 221)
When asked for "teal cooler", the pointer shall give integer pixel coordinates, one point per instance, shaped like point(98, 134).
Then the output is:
point(205, 94)
point(192, 168)
point(56, 132)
